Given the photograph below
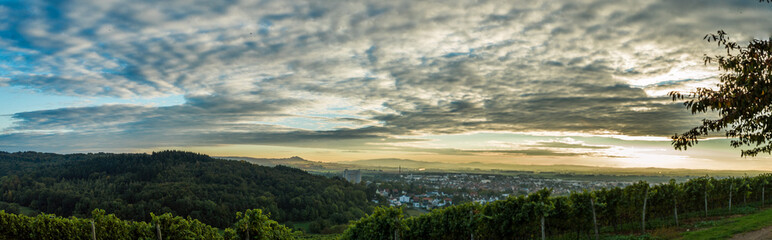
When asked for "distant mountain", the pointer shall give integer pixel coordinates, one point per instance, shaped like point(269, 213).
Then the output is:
point(392, 164)
point(408, 165)
point(270, 162)
point(404, 163)
point(296, 162)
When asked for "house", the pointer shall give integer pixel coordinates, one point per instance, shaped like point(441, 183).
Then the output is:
point(384, 192)
point(404, 199)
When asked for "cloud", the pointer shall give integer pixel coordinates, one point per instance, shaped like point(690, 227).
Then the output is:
point(201, 121)
point(555, 144)
point(529, 151)
point(384, 68)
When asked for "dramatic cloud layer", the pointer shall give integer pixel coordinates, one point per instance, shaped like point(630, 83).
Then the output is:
point(361, 75)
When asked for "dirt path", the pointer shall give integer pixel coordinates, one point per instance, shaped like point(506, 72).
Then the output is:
point(764, 233)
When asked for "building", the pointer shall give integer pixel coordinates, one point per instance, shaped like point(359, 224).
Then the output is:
point(354, 176)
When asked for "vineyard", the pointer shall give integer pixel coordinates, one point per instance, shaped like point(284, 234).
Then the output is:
point(252, 224)
point(581, 215)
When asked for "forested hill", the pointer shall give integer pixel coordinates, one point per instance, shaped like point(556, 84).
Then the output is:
point(182, 183)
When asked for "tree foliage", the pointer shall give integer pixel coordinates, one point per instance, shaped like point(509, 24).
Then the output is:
point(108, 226)
point(742, 99)
point(383, 224)
point(181, 183)
point(256, 225)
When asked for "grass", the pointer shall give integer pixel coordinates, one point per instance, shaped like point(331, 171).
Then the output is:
point(630, 237)
point(411, 212)
point(664, 227)
point(302, 226)
point(726, 228)
point(319, 236)
point(28, 211)
point(21, 209)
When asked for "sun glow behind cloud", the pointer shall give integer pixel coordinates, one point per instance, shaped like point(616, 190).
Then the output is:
point(680, 80)
point(577, 149)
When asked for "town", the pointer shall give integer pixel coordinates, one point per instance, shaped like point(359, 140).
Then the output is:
point(437, 190)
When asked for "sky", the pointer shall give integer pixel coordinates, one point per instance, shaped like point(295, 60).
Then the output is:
point(524, 82)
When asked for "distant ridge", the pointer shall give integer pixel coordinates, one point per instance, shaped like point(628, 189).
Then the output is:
point(398, 162)
point(270, 162)
point(393, 163)
point(294, 161)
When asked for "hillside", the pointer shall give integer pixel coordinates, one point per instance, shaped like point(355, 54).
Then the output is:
point(182, 183)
